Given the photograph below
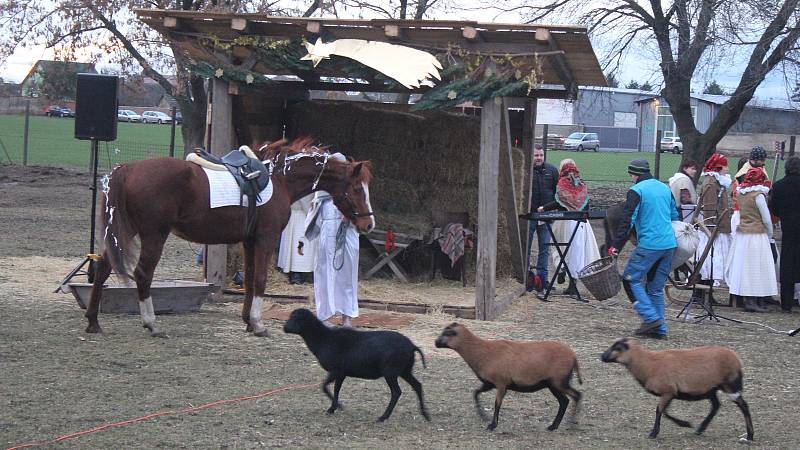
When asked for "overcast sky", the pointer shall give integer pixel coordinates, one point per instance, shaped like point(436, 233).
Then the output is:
point(640, 67)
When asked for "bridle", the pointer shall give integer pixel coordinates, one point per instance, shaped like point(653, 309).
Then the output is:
point(353, 214)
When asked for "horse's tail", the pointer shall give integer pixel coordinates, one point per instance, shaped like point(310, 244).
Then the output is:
point(116, 225)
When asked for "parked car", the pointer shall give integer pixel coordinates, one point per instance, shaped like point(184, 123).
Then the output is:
point(671, 144)
point(582, 141)
point(56, 111)
point(126, 115)
point(66, 112)
point(178, 118)
point(155, 117)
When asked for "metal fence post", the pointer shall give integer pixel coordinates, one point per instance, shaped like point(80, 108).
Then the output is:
point(25, 137)
point(172, 135)
point(658, 155)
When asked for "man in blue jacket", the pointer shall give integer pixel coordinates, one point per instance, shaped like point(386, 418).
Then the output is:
point(650, 209)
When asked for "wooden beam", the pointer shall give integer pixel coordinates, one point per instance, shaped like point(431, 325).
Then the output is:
point(216, 256)
point(489, 161)
point(562, 69)
point(238, 23)
point(542, 35)
point(502, 302)
point(314, 27)
point(170, 22)
point(528, 142)
point(471, 34)
point(233, 88)
point(508, 193)
point(392, 31)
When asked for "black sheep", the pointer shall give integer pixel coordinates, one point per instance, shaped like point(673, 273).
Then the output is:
point(370, 355)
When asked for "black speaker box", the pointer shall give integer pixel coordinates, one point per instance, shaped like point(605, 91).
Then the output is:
point(96, 107)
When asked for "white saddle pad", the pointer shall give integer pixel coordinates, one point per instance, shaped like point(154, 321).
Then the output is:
point(224, 191)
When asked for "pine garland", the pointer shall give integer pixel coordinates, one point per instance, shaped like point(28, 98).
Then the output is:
point(466, 76)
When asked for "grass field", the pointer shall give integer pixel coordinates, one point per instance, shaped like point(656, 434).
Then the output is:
point(51, 142)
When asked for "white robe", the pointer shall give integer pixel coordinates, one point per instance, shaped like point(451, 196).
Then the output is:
point(336, 272)
point(289, 258)
point(583, 250)
point(750, 269)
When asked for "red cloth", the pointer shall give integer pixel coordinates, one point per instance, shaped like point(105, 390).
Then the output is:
point(754, 177)
point(571, 192)
point(715, 163)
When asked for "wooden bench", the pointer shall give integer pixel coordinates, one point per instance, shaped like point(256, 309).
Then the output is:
point(377, 238)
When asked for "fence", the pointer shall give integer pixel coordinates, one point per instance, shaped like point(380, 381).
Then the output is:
point(616, 138)
point(51, 142)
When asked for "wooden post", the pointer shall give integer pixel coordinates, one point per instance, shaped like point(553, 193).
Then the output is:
point(486, 264)
point(657, 165)
point(172, 133)
point(216, 256)
point(25, 136)
point(508, 192)
point(792, 140)
point(544, 140)
point(528, 144)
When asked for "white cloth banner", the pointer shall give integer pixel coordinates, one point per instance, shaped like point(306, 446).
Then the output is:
point(223, 190)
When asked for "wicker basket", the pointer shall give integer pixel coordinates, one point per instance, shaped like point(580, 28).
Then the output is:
point(601, 278)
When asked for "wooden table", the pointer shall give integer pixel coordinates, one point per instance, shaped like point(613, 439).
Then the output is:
point(377, 238)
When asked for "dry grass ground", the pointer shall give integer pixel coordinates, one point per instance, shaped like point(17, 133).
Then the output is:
point(56, 380)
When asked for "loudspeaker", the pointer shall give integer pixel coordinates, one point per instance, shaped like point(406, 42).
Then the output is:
point(96, 107)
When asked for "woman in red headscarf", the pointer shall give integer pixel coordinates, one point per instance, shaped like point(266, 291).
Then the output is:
point(572, 195)
point(713, 203)
point(750, 269)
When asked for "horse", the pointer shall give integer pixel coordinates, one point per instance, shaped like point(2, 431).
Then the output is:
point(152, 198)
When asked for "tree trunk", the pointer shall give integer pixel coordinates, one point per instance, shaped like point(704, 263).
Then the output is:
point(193, 108)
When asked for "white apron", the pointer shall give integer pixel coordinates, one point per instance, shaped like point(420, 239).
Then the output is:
point(336, 271)
point(583, 250)
point(289, 257)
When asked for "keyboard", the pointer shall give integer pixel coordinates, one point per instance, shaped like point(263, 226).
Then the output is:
point(564, 215)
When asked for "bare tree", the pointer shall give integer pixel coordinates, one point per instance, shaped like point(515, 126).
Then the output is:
point(109, 29)
point(686, 35)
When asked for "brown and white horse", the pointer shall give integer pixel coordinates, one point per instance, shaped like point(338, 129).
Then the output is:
point(152, 198)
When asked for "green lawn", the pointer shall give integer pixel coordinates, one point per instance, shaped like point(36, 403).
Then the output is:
point(51, 142)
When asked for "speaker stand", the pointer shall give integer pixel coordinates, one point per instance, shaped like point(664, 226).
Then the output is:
point(91, 257)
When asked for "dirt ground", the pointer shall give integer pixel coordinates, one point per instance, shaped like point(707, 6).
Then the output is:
point(210, 385)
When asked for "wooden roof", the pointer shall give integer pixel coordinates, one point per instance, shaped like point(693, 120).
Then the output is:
point(564, 52)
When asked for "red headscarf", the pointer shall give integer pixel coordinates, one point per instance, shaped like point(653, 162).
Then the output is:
point(754, 177)
point(571, 192)
point(715, 163)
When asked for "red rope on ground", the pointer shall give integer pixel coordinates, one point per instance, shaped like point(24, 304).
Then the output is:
point(162, 413)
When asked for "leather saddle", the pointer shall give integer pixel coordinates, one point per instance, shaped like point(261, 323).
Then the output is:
point(250, 174)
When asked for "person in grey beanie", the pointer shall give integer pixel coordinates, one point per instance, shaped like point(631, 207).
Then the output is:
point(650, 209)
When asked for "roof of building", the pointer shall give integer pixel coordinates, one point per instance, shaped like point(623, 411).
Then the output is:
point(620, 91)
point(562, 54)
point(72, 66)
point(766, 103)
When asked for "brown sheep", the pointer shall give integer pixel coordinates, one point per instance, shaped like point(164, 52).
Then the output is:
point(522, 366)
point(686, 374)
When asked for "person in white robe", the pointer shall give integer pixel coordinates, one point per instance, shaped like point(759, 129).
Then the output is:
point(297, 254)
point(750, 269)
point(336, 269)
point(572, 195)
point(714, 208)
point(682, 186)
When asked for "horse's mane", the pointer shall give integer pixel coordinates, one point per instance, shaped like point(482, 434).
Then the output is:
point(305, 144)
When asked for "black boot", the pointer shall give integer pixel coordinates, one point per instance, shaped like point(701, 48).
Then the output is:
point(751, 305)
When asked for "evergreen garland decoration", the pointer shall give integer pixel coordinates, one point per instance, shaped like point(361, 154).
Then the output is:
point(467, 76)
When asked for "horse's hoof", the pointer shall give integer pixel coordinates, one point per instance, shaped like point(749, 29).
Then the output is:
point(330, 411)
point(159, 334)
point(248, 328)
point(262, 333)
point(94, 329)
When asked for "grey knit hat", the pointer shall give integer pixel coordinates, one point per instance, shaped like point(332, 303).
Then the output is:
point(639, 167)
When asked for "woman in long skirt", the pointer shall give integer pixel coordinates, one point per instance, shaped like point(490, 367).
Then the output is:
point(713, 203)
point(750, 269)
point(572, 195)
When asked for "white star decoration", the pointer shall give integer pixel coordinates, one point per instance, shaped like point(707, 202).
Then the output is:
point(408, 66)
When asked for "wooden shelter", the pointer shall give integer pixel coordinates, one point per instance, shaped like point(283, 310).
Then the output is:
point(492, 63)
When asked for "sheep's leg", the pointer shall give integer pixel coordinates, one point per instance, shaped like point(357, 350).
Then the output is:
point(417, 386)
point(328, 380)
point(714, 407)
point(498, 401)
point(663, 404)
point(576, 403)
point(563, 401)
point(679, 422)
point(392, 382)
point(337, 386)
point(746, 412)
point(484, 387)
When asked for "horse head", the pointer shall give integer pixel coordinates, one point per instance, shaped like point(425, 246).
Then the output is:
point(353, 201)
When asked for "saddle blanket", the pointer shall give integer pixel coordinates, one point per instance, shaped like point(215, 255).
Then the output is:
point(224, 191)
